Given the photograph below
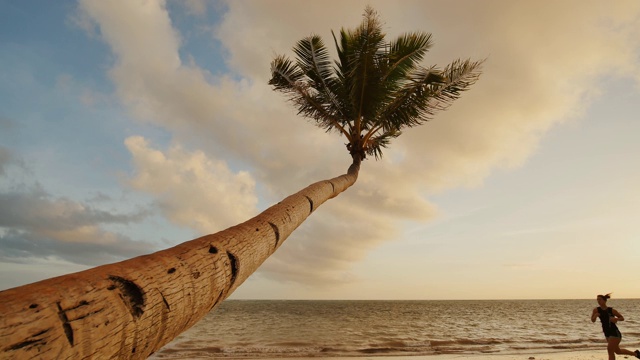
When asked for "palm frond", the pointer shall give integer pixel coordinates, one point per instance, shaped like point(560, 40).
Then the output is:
point(284, 74)
point(289, 79)
point(314, 61)
point(457, 77)
point(364, 44)
point(405, 53)
point(344, 82)
point(409, 105)
point(375, 144)
point(427, 92)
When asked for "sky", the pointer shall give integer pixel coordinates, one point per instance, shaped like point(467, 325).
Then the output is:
point(127, 127)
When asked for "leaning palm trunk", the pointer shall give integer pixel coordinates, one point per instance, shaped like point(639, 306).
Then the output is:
point(132, 308)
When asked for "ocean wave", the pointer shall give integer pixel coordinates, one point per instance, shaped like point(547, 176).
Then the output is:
point(270, 350)
point(290, 329)
point(466, 342)
point(557, 341)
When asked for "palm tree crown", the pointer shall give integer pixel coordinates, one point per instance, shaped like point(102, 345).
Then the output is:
point(374, 89)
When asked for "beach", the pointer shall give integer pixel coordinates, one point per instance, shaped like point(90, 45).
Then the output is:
point(402, 330)
point(568, 355)
point(561, 355)
point(564, 355)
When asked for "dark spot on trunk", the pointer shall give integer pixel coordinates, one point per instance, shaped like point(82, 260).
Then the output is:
point(24, 344)
point(171, 271)
point(41, 332)
point(111, 287)
point(131, 294)
point(234, 268)
point(33, 306)
point(68, 331)
point(195, 274)
point(213, 250)
point(276, 231)
point(310, 204)
point(164, 300)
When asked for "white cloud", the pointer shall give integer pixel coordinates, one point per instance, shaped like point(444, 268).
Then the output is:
point(191, 189)
point(531, 82)
point(35, 224)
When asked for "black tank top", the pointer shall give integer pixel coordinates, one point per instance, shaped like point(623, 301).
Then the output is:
point(604, 316)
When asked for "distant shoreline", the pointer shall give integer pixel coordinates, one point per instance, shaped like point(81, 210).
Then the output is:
point(559, 355)
point(409, 300)
point(556, 355)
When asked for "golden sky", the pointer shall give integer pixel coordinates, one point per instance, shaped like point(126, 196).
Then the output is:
point(527, 187)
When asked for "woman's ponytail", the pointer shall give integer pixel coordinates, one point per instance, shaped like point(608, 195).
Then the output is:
point(605, 297)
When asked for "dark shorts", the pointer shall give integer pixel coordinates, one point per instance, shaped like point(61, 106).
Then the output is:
point(613, 332)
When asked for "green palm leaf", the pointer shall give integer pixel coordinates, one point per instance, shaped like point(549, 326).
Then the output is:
point(404, 53)
point(288, 78)
point(427, 92)
point(457, 77)
point(374, 88)
point(375, 144)
point(313, 59)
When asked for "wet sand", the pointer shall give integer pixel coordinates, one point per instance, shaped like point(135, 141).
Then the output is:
point(563, 355)
point(568, 355)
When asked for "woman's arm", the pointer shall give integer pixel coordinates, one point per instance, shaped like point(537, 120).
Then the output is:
point(594, 314)
point(618, 316)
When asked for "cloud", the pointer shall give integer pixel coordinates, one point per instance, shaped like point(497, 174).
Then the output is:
point(104, 247)
point(531, 82)
point(322, 251)
point(191, 189)
point(38, 211)
point(34, 224)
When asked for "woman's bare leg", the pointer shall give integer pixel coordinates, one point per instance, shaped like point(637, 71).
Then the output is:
point(616, 347)
point(611, 347)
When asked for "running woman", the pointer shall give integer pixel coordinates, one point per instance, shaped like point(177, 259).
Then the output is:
point(609, 317)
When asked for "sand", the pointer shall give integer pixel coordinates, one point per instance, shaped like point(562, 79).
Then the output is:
point(568, 355)
point(562, 355)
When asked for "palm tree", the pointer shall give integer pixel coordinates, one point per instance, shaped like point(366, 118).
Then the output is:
point(375, 88)
point(133, 308)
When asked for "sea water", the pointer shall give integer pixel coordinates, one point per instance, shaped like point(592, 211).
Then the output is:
point(280, 329)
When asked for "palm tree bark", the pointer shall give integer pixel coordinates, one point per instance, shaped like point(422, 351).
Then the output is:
point(132, 308)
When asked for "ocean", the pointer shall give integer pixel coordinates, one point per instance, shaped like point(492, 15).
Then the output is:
point(254, 329)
